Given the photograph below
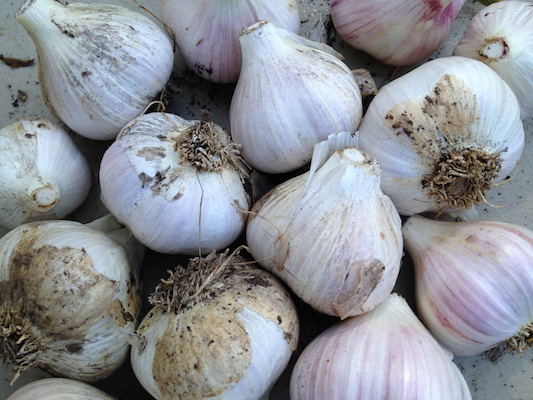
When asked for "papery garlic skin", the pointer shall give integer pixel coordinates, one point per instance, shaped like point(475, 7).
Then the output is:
point(473, 281)
point(291, 94)
point(43, 174)
point(443, 135)
point(207, 33)
point(59, 389)
point(230, 340)
point(100, 65)
point(501, 36)
point(69, 300)
point(334, 239)
point(178, 185)
point(395, 32)
point(386, 353)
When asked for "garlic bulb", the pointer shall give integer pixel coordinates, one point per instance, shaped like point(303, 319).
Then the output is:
point(69, 298)
point(395, 32)
point(331, 235)
point(291, 94)
point(220, 328)
point(443, 134)
point(501, 36)
point(384, 354)
point(100, 65)
point(59, 389)
point(179, 185)
point(34, 183)
point(207, 33)
point(474, 282)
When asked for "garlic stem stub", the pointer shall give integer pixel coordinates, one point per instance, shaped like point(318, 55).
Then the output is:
point(219, 328)
point(207, 32)
point(474, 282)
point(334, 238)
point(395, 32)
point(444, 134)
point(291, 94)
point(180, 185)
point(69, 300)
point(501, 36)
point(100, 65)
point(384, 354)
point(59, 389)
point(43, 174)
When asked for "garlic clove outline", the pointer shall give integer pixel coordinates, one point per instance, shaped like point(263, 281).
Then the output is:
point(291, 94)
point(207, 33)
point(57, 389)
point(395, 32)
point(501, 36)
point(69, 298)
point(443, 134)
point(34, 183)
point(386, 353)
point(219, 328)
point(473, 282)
point(179, 185)
point(332, 236)
point(100, 65)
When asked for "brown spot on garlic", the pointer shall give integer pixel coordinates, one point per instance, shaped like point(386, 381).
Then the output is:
point(439, 126)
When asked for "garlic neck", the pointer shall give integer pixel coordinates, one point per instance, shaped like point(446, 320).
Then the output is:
point(494, 49)
point(36, 15)
point(43, 197)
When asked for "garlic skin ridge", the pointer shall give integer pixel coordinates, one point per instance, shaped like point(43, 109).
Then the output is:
point(501, 36)
point(395, 32)
point(334, 239)
point(179, 185)
point(69, 299)
point(208, 38)
point(59, 388)
point(443, 135)
point(227, 331)
point(100, 65)
point(291, 94)
point(34, 183)
point(473, 282)
point(386, 353)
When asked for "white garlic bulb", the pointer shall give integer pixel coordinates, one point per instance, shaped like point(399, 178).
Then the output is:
point(220, 328)
point(395, 32)
point(59, 389)
point(384, 354)
point(179, 185)
point(43, 174)
point(501, 36)
point(100, 65)
point(69, 298)
point(333, 237)
point(443, 135)
point(474, 282)
point(291, 94)
point(207, 32)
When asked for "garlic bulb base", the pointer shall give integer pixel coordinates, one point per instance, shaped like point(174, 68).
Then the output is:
point(523, 340)
point(462, 178)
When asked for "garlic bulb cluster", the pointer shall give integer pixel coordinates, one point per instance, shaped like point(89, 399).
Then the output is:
point(59, 389)
point(443, 135)
point(34, 183)
point(220, 328)
point(100, 65)
point(501, 36)
point(291, 94)
point(386, 353)
point(331, 235)
point(179, 185)
point(395, 32)
point(69, 298)
point(474, 282)
point(207, 33)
